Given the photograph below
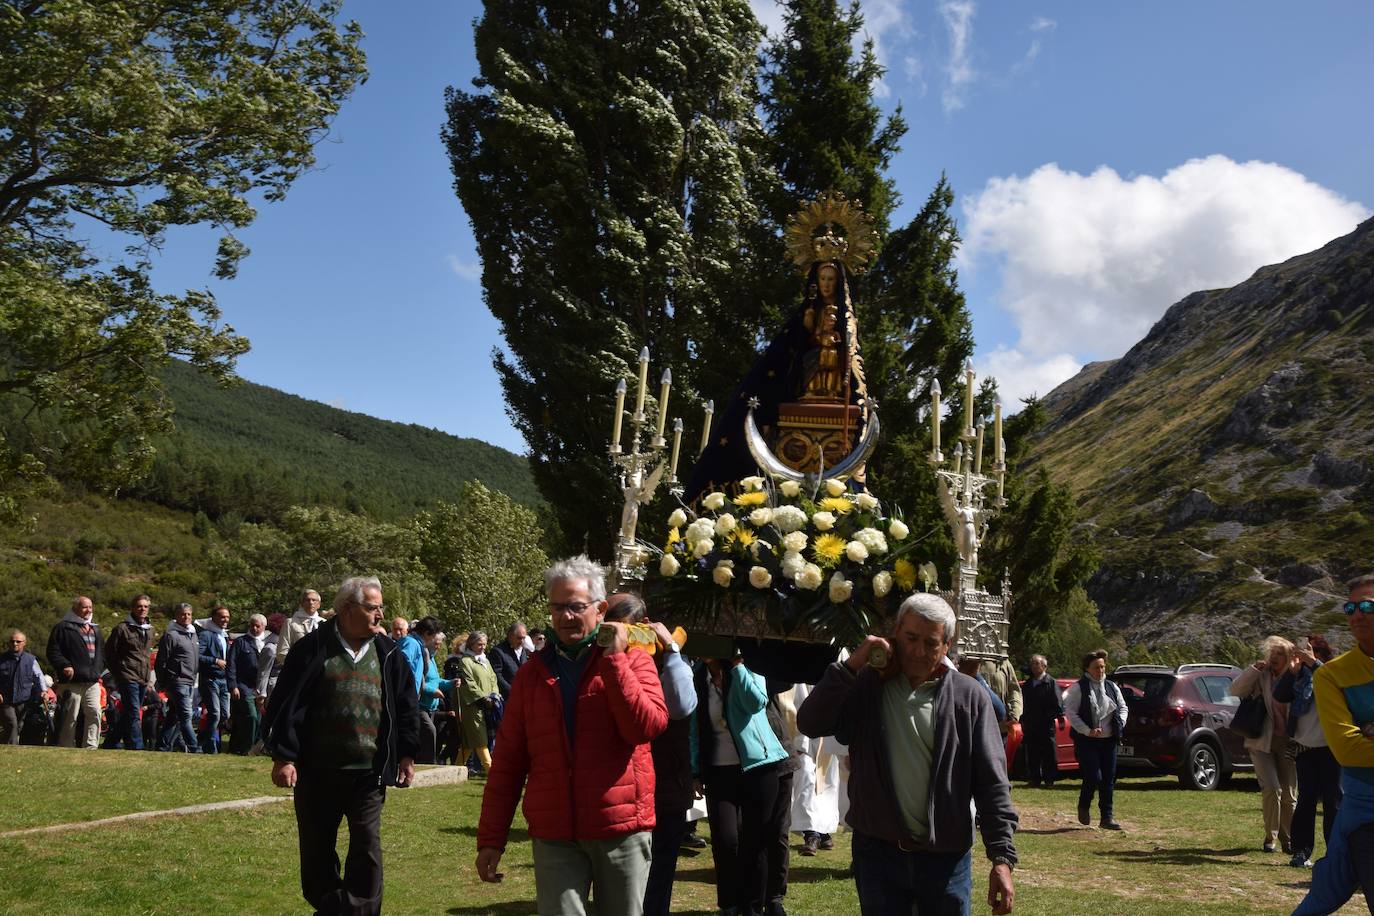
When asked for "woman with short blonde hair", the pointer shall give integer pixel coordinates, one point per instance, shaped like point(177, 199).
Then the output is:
point(1275, 770)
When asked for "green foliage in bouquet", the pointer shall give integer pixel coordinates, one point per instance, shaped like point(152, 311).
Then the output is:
point(826, 565)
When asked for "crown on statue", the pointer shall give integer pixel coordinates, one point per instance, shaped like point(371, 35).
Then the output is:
point(831, 228)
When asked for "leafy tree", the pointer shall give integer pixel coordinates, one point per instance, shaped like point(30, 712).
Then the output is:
point(124, 119)
point(483, 556)
point(264, 567)
point(607, 161)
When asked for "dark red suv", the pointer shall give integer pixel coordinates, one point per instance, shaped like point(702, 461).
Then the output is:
point(1180, 722)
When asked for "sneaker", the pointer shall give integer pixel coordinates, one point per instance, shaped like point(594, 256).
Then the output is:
point(1300, 859)
point(1085, 815)
point(826, 842)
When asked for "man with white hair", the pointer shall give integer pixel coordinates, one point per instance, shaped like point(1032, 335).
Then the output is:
point(243, 677)
point(1042, 710)
point(923, 743)
point(302, 622)
point(578, 727)
point(76, 653)
point(341, 726)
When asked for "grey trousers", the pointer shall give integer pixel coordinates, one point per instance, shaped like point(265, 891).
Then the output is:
point(74, 699)
point(614, 872)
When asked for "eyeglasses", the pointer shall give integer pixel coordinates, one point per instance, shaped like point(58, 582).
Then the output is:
point(372, 608)
point(17, 642)
point(1364, 607)
point(570, 607)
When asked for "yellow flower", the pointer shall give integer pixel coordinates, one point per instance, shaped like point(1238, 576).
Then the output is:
point(836, 504)
point(674, 536)
point(743, 537)
point(756, 498)
point(905, 573)
point(827, 549)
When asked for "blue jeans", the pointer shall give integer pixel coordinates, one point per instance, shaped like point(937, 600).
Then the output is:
point(214, 696)
point(180, 710)
point(891, 882)
point(1097, 763)
point(129, 729)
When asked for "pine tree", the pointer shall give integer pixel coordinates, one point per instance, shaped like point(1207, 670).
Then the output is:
point(609, 161)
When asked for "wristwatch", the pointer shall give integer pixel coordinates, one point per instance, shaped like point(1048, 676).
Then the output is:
point(1003, 860)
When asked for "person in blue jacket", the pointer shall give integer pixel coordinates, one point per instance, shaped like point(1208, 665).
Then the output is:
point(741, 762)
point(418, 647)
point(213, 644)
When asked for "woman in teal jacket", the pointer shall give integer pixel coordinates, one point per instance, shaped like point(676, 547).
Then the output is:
point(739, 760)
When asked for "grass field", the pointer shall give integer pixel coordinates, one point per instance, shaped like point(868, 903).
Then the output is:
point(1181, 853)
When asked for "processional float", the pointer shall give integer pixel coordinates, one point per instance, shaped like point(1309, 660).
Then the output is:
point(774, 539)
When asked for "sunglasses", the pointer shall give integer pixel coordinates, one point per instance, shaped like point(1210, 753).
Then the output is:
point(1364, 607)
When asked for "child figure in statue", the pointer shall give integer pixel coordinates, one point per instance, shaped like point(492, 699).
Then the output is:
point(821, 318)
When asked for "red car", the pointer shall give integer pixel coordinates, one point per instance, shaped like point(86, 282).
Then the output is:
point(1063, 742)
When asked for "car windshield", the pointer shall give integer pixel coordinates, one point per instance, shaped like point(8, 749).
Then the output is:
point(1145, 688)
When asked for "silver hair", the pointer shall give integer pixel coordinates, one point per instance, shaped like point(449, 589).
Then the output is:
point(473, 637)
point(258, 618)
point(580, 568)
point(1042, 659)
point(932, 608)
point(510, 630)
point(1360, 582)
point(351, 592)
point(306, 594)
point(184, 607)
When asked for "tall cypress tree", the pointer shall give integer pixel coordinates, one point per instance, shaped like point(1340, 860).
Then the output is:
point(609, 160)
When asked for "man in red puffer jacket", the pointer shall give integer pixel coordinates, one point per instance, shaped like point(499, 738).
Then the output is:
point(578, 725)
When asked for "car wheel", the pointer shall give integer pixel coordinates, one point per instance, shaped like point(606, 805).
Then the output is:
point(1201, 768)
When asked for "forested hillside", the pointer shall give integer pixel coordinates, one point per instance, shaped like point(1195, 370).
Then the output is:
point(252, 451)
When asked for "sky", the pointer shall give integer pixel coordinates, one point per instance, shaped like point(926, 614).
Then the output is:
point(1108, 159)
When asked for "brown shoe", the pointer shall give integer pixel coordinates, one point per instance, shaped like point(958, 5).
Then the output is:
point(809, 846)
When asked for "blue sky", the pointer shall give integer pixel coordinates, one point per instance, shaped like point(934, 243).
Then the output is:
point(1108, 159)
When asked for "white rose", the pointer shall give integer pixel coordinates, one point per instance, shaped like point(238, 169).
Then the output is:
point(834, 487)
point(760, 577)
point(789, 518)
point(792, 564)
point(856, 551)
point(703, 547)
point(713, 501)
point(897, 530)
point(823, 521)
point(840, 588)
point(882, 584)
point(677, 519)
point(866, 502)
point(752, 484)
point(873, 539)
point(669, 565)
point(760, 517)
point(794, 541)
point(810, 577)
point(725, 524)
point(789, 488)
point(722, 575)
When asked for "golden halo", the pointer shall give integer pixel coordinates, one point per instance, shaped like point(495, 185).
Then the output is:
point(811, 234)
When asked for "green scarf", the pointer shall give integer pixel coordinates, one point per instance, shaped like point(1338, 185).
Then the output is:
point(574, 652)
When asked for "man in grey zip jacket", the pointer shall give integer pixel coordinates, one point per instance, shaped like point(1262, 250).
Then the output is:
point(925, 737)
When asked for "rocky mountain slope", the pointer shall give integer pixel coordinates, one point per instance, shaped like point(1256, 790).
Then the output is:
point(1225, 464)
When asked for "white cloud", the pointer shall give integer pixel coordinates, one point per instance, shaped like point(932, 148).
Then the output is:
point(958, 17)
point(1039, 27)
point(887, 23)
point(470, 271)
point(1020, 376)
point(1090, 262)
point(1043, 24)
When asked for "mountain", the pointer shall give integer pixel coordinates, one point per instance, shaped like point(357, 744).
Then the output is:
point(253, 450)
point(1223, 465)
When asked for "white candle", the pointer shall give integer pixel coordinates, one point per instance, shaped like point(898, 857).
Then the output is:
point(968, 397)
point(677, 445)
point(978, 452)
point(664, 384)
point(706, 426)
point(959, 458)
point(619, 414)
point(643, 384)
point(997, 431)
point(935, 418)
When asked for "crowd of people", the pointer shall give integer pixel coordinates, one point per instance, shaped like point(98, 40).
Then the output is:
point(613, 749)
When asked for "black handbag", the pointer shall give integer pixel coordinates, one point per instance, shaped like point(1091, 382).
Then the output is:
point(1250, 716)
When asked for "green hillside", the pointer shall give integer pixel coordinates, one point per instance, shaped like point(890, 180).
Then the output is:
point(253, 451)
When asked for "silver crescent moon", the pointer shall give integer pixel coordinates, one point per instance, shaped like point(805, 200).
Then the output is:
point(773, 466)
